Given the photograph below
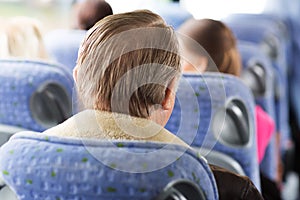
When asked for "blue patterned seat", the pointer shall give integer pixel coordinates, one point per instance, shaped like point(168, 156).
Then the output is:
point(266, 34)
point(273, 31)
point(36, 166)
point(63, 46)
point(199, 119)
point(34, 95)
point(252, 57)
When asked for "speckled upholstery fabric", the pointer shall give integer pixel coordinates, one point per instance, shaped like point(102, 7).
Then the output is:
point(37, 166)
point(251, 53)
point(20, 80)
point(199, 98)
point(257, 33)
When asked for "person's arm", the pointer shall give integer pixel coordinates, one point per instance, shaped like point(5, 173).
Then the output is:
point(234, 186)
point(265, 128)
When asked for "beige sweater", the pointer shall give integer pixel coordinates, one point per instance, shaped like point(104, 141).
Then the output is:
point(106, 125)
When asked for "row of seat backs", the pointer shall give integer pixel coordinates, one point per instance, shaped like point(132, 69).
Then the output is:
point(272, 32)
point(290, 12)
point(37, 166)
point(258, 74)
point(215, 111)
point(269, 34)
point(277, 28)
point(34, 95)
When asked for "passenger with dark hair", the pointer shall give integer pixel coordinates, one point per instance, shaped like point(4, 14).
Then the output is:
point(220, 54)
point(89, 12)
point(220, 45)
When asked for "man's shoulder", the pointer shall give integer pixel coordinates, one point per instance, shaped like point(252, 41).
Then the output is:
point(234, 186)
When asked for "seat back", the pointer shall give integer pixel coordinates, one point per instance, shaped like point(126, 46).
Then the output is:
point(266, 35)
point(34, 95)
point(63, 46)
point(257, 68)
point(215, 111)
point(37, 166)
point(274, 34)
point(259, 75)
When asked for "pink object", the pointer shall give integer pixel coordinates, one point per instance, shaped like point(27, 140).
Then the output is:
point(265, 127)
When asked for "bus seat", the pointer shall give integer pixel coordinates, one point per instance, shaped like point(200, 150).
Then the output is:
point(281, 100)
point(275, 36)
point(39, 166)
point(291, 13)
point(63, 46)
point(216, 111)
point(259, 75)
point(34, 95)
point(254, 60)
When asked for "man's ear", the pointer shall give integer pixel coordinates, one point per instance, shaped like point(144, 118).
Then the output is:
point(166, 104)
point(169, 100)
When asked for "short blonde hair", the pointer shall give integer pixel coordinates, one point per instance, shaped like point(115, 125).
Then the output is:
point(126, 63)
point(24, 38)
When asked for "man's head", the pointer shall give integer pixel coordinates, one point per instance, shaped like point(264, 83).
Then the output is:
point(129, 63)
point(89, 12)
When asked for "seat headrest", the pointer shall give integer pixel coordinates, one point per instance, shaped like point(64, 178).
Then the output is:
point(84, 168)
point(35, 95)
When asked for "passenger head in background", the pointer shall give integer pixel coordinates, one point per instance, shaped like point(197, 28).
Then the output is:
point(22, 38)
point(129, 63)
point(220, 47)
point(219, 42)
point(88, 12)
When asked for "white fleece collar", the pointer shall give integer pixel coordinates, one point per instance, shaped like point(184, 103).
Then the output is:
point(106, 125)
